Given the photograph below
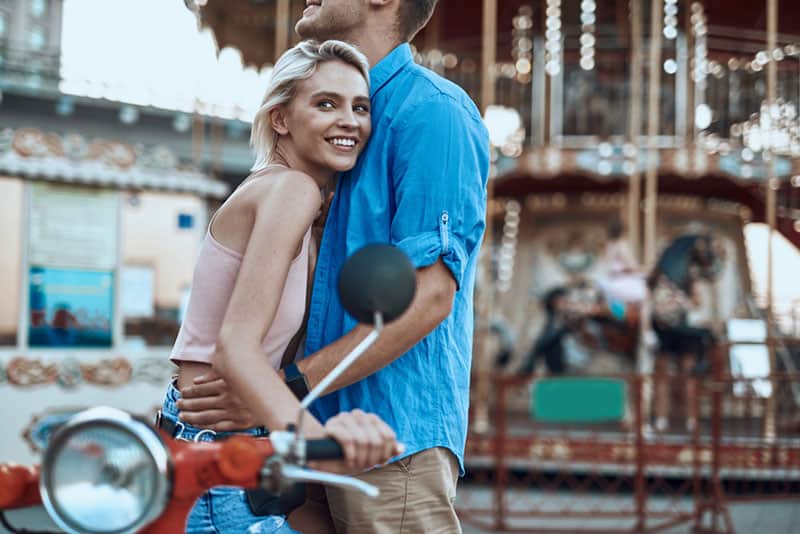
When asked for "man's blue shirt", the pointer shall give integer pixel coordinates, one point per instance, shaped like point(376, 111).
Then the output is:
point(420, 184)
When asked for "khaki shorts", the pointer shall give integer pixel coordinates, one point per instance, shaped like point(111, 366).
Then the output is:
point(417, 496)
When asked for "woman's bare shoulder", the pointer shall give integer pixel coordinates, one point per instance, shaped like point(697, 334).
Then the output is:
point(284, 185)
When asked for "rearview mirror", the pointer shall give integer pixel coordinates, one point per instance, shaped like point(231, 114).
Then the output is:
point(377, 279)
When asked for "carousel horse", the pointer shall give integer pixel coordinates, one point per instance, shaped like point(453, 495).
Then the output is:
point(581, 311)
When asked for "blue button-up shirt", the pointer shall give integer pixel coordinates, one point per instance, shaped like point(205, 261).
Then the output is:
point(420, 184)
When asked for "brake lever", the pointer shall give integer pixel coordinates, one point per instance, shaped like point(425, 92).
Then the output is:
point(293, 473)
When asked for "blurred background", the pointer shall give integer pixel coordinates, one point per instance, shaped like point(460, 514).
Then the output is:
point(632, 142)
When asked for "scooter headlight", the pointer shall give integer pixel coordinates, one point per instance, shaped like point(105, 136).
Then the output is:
point(105, 472)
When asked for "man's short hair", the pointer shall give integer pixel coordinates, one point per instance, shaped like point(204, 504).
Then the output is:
point(414, 15)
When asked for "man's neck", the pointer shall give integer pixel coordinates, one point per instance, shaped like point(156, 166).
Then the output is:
point(375, 45)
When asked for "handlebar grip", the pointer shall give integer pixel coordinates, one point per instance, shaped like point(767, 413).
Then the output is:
point(324, 449)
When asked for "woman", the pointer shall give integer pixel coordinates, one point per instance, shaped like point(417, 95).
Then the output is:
point(624, 281)
point(251, 280)
point(678, 303)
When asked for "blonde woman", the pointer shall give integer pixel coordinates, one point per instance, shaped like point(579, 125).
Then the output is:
point(250, 284)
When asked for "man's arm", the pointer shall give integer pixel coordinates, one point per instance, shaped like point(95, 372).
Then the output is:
point(432, 303)
point(209, 399)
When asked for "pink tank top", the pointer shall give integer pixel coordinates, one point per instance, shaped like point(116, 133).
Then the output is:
point(212, 285)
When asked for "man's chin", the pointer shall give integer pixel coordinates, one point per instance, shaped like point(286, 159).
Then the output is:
point(305, 29)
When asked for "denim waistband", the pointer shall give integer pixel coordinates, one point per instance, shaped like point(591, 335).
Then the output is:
point(169, 410)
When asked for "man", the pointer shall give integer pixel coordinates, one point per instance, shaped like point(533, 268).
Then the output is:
point(421, 185)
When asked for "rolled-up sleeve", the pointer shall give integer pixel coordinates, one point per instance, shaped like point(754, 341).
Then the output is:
point(439, 177)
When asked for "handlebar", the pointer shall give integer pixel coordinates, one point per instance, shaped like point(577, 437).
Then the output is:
point(324, 449)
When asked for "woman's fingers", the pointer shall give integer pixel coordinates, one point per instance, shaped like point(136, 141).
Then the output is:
point(200, 404)
point(338, 430)
point(365, 438)
point(211, 419)
point(212, 388)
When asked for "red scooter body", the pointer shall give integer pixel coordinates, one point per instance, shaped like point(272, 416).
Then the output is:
point(196, 468)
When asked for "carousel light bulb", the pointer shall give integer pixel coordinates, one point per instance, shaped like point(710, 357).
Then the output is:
point(552, 68)
point(702, 117)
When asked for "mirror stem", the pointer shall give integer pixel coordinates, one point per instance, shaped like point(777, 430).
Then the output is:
point(339, 369)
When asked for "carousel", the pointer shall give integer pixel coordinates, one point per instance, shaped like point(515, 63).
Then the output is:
point(632, 143)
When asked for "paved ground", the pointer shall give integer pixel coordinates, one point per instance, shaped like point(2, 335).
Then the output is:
point(782, 517)
point(756, 518)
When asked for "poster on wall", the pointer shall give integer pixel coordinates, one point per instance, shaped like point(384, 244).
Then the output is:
point(72, 257)
point(70, 308)
point(73, 227)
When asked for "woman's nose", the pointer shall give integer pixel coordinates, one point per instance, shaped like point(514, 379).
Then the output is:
point(347, 119)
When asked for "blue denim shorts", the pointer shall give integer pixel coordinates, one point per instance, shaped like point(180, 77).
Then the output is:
point(221, 510)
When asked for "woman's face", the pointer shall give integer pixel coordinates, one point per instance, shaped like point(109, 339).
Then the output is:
point(328, 120)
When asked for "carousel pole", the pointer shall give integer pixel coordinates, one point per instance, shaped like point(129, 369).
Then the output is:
point(653, 112)
point(772, 186)
point(282, 21)
point(483, 364)
point(635, 127)
point(485, 295)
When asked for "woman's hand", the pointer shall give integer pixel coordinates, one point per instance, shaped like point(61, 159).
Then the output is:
point(367, 441)
point(209, 403)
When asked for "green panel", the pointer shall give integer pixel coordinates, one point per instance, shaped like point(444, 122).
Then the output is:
point(572, 400)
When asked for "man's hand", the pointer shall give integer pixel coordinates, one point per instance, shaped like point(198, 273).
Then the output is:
point(208, 403)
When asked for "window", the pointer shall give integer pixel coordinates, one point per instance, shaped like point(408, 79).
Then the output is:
point(3, 25)
point(38, 8)
point(36, 39)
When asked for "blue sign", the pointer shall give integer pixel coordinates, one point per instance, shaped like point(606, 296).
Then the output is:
point(70, 308)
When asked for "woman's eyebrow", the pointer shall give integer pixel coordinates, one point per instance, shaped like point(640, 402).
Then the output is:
point(329, 94)
point(336, 96)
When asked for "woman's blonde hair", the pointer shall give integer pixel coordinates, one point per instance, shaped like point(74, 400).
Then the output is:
point(296, 64)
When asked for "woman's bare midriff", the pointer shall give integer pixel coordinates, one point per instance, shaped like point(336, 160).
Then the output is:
point(188, 371)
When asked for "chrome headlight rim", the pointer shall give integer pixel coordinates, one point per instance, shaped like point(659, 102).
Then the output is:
point(138, 430)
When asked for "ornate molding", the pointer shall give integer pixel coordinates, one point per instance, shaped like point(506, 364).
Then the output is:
point(70, 372)
point(41, 426)
point(34, 154)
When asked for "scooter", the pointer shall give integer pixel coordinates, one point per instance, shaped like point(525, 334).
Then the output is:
point(105, 471)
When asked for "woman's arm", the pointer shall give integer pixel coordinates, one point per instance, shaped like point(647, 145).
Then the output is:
point(282, 210)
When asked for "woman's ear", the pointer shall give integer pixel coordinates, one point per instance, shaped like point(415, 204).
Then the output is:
point(277, 119)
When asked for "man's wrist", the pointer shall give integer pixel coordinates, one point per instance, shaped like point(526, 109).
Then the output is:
point(295, 380)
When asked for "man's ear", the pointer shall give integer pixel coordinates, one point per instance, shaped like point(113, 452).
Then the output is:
point(277, 119)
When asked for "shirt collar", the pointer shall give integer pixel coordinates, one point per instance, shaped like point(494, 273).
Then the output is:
point(387, 67)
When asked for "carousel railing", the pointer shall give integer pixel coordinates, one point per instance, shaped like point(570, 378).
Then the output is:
point(586, 105)
point(531, 472)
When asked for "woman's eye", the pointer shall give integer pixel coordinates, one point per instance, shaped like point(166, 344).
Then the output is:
point(361, 108)
point(325, 104)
